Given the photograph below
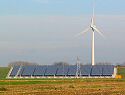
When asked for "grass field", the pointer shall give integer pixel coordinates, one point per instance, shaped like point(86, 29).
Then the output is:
point(3, 72)
point(61, 86)
point(121, 71)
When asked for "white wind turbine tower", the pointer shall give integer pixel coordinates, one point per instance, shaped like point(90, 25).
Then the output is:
point(94, 29)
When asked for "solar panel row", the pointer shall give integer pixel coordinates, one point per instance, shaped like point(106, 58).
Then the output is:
point(85, 70)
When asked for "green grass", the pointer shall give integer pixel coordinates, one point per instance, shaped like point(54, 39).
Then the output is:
point(3, 72)
point(52, 81)
point(121, 71)
point(24, 82)
point(33, 81)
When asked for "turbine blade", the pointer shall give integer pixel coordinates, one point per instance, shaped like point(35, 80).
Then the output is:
point(86, 30)
point(92, 21)
point(93, 8)
point(97, 30)
point(93, 16)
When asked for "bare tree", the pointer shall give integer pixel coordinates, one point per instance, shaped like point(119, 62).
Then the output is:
point(61, 63)
point(22, 63)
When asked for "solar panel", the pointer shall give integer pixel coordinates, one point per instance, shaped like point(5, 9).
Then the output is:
point(62, 71)
point(27, 70)
point(72, 70)
point(96, 70)
point(51, 70)
point(21, 70)
point(40, 71)
point(85, 70)
point(14, 71)
point(108, 70)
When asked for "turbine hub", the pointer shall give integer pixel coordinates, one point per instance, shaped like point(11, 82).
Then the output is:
point(91, 26)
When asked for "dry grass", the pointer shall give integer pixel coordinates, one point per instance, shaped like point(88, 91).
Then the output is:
point(64, 87)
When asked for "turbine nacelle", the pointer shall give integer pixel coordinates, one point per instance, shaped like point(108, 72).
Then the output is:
point(92, 27)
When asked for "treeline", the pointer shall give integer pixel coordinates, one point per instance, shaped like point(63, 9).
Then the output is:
point(25, 63)
point(21, 63)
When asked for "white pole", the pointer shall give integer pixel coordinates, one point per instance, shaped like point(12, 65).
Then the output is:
point(93, 49)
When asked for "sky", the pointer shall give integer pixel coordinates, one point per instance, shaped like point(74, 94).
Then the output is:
point(43, 31)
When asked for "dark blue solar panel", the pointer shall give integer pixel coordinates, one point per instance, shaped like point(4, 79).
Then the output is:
point(14, 71)
point(108, 70)
point(72, 70)
point(51, 70)
point(21, 70)
point(85, 70)
point(40, 71)
point(97, 70)
point(62, 71)
point(27, 70)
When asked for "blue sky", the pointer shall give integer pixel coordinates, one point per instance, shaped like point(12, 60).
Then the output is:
point(43, 31)
point(60, 7)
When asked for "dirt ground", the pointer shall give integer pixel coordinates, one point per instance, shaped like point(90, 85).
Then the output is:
point(65, 88)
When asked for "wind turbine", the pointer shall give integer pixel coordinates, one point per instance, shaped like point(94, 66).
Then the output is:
point(94, 29)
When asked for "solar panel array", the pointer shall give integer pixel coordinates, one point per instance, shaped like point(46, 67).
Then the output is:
point(40, 70)
point(52, 70)
point(86, 70)
point(97, 70)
